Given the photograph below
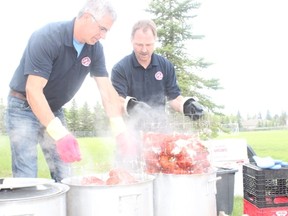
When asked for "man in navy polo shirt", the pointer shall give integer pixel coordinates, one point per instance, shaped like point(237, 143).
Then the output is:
point(54, 65)
point(146, 80)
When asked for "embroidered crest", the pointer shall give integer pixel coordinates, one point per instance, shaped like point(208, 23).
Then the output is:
point(86, 61)
point(159, 75)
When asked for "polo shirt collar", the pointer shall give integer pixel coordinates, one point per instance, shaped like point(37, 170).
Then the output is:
point(68, 35)
point(154, 61)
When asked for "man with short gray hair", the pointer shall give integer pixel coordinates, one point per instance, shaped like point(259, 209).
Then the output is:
point(57, 59)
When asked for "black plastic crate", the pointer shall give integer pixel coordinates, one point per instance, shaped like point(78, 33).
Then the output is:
point(265, 187)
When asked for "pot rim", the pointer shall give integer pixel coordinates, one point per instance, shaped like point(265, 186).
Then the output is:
point(74, 181)
point(11, 183)
point(61, 189)
point(212, 170)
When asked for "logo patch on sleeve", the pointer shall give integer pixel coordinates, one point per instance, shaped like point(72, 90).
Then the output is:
point(86, 61)
point(159, 75)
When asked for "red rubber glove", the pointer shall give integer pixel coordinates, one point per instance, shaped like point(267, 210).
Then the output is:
point(66, 144)
point(68, 149)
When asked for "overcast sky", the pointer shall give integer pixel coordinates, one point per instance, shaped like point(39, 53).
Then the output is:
point(245, 40)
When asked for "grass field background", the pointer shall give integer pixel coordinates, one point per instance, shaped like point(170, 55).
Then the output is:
point(99, 151)
point(264, 143)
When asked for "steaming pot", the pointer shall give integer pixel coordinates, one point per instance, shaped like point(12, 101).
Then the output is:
point(134, 199)
point(185, 195)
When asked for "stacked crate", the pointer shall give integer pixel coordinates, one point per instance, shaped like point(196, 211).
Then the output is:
point(265, 191)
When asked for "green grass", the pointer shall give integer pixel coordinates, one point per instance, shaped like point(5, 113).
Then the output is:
point(98, 152)
point(264, 143)
point(5, 157)
point(238, 206)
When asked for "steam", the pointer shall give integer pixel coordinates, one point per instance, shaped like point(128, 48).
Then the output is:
point(138, 124)
point(152, 120)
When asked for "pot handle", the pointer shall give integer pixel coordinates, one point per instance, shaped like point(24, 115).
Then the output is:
point(215, 179)
point(212, 182)
point(128, 201)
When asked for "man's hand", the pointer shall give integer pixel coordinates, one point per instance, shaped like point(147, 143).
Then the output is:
point(68, 149)
point(135, 107)
point(193, 109)
point(66, 144)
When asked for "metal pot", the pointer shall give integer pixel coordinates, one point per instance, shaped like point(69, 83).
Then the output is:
point(116, 200)
point(32, 197)
point(185, 195)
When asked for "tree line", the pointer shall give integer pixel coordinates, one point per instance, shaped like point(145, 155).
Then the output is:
point(86, 121)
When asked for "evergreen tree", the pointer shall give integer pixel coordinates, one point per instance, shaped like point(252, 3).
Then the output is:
point(72, 117)
point(268, 115)
point(101, 121)
point(283, 119)
point(86, 121)
point(239, 120)
point(174, 24)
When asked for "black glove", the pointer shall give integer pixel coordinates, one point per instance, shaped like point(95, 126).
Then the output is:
point(193, 109)
point(135, 107)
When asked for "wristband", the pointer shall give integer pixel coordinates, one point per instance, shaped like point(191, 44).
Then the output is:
point(126, 103)
point(117, 125)
point(56, 129)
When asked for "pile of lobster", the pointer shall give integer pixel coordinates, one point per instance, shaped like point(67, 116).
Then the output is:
point(175, 154)
point(117, 176)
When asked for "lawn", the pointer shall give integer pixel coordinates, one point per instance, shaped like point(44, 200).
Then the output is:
point(98, 152)
point(264, 143)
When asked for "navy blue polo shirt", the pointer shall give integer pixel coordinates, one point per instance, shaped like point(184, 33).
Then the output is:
point(153, 85)
point(50, 54)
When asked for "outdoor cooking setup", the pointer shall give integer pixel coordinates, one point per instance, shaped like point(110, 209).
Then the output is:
point(175, 178)
point(185, 182)
point(118, 192)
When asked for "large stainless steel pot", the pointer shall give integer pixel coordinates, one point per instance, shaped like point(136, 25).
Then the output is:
point(32, 197)
point(185, 195)
point(112, 200)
